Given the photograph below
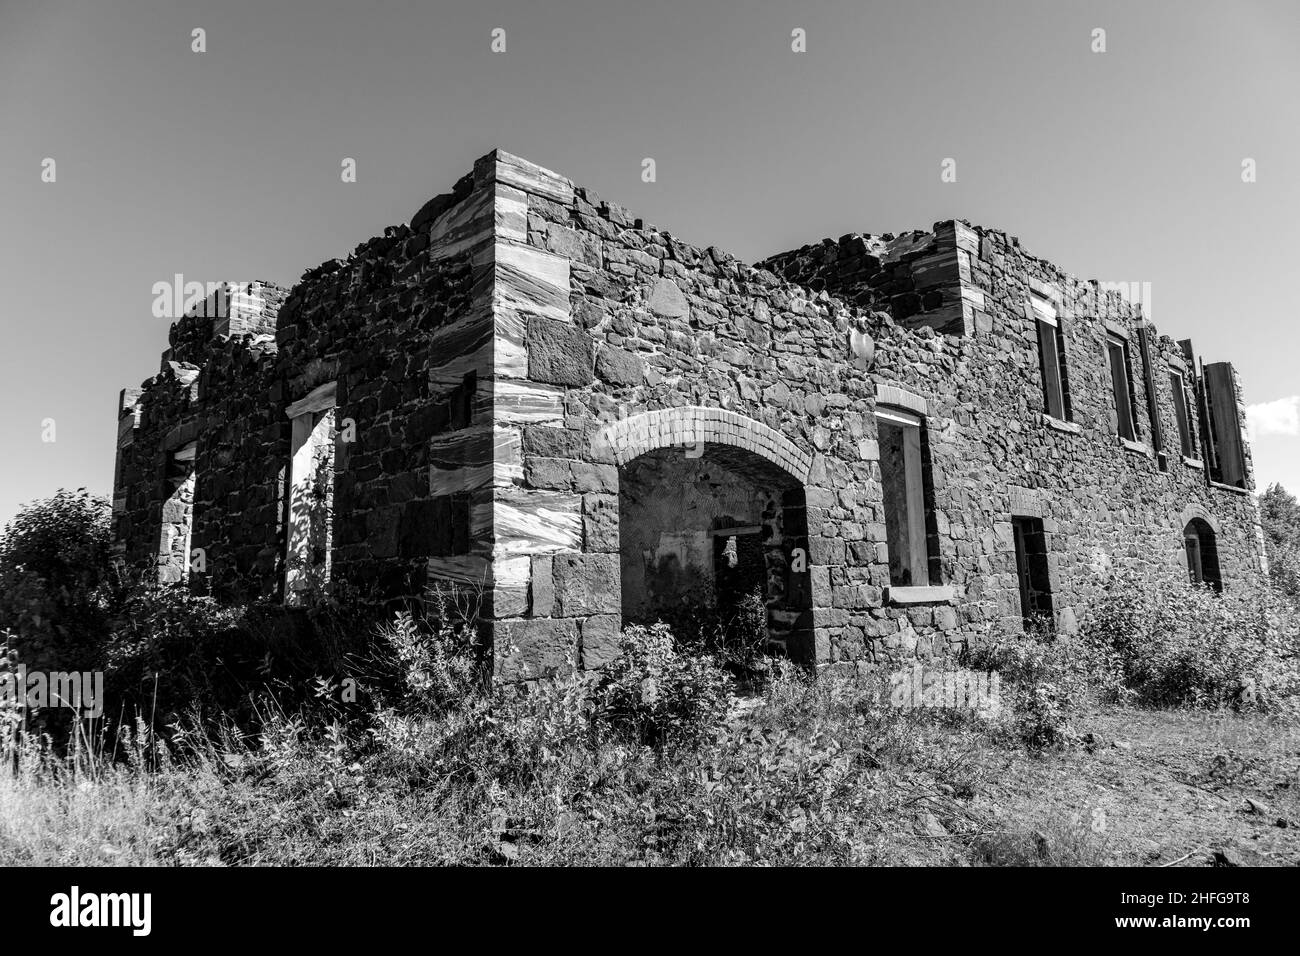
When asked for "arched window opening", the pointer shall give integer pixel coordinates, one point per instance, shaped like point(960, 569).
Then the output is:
point(1202, 554)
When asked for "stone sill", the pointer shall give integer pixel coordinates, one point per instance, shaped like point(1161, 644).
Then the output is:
point(919, 595)
point(1233, 488)
point(1060, 425)
point(1193, 462)
point(1136, 447)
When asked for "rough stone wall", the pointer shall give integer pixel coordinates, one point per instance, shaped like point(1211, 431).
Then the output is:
point(652, 343)
point(394, 326)
point(1106, 504)
point(508, 359)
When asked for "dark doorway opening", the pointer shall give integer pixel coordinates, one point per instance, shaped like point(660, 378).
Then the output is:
point(715, 539)
point(1033, 572)
point(739, 566)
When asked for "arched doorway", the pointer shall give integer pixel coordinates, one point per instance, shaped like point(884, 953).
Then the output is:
point(713, 525)
point(1202, 554)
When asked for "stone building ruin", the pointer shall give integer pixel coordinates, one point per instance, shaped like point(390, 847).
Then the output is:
point(901, 441)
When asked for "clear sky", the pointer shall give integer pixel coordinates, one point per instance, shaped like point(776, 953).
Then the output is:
point(1124, 166)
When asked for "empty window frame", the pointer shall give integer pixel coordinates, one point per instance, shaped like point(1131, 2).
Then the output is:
point(1033, 571)
point(1122, 386)
point(1149, 385)
point(177, 517)
point(309, 536)
point(909, 523)
point(1178, 388)
point(1228, 462)
point(1051, 353)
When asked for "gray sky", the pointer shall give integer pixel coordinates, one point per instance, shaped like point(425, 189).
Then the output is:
point(1123, 166)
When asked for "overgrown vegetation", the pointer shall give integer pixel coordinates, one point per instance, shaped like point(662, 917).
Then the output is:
point(250, 736)
point(735, 636)
point(57, 589)
point(1183, 645)
point(1045, 679)
point(165, 653)
point(1280, 516)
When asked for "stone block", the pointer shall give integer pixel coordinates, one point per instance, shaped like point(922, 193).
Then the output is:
point(666, 299)
point(532, 648)
point(619, 367)
point(600, 640)
point(586, 584)
point(425, 528)
point(542, 586)
point(549, 473)
point(381, 531)
point(558, 353)
point(594, 478)
point(550, 442)
point(600, 523)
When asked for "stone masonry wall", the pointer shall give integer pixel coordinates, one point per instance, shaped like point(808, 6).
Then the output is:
point(394, 326)
point(502, 362)
point(1106, 504)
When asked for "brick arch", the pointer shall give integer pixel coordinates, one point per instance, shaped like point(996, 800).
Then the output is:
point(637, 434)
point(1197, 511)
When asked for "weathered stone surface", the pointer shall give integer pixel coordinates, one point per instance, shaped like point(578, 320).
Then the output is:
point(600, 523)
point(529, 648)
point(549, 472)
point(619, 367)
point(667, 300)
point(549, 442)
point(538, 522)
point(543, 586)
point(600, 640)
point(558, 353)
point(586, 584)
point(572, 245)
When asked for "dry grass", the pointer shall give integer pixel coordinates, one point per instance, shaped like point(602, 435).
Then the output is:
point(818, 773)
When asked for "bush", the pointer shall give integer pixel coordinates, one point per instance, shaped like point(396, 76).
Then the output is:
point(56, 581)
point(1179, 644)
point(655, 695)
point(1280, 516)
point(1044, 679)
point(1060, 840)
point(171, 652)
point(428, 679)
point(175, 658)
point(736, 637)
point(431, 665)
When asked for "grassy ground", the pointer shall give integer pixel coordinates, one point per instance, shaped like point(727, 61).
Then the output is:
point(819, 774)
point(1169, 787)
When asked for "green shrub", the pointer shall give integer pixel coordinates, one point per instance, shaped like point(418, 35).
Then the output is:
point(1280, 516)
point(1179, 644)
point(170, 653)
point(654, 694)
point(1044, 679)
point(55, 581)
point(735, 637)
